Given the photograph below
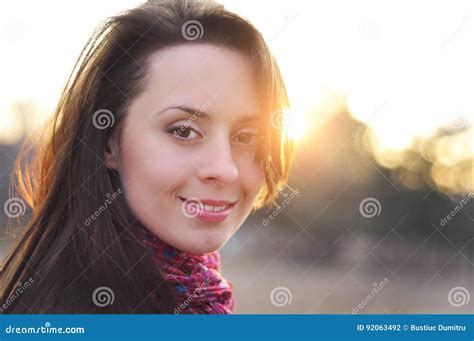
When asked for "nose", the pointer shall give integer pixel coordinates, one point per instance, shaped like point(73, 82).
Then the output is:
point(218, 165)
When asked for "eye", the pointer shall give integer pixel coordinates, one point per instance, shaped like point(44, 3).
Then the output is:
point(183, 132)
point(248, 139)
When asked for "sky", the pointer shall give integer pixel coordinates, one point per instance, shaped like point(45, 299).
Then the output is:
point(405, 67)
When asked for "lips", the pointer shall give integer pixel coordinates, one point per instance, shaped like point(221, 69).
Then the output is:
point(208, 210)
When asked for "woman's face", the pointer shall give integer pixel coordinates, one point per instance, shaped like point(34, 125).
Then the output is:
point(188, 145)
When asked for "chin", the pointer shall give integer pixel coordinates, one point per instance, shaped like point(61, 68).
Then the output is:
point(205, 245)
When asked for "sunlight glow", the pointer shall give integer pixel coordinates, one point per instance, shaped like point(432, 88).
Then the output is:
point(405, 68)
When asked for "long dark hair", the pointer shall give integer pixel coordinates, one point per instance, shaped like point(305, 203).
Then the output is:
point(65, 253)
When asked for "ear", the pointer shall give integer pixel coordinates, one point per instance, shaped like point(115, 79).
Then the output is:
point(111, 155)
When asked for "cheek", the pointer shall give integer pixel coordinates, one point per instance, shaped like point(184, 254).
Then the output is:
point(252, 177)
point(150, 166)
point(155, 170)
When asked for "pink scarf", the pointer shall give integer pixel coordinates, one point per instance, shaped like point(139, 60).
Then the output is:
point(196, 279)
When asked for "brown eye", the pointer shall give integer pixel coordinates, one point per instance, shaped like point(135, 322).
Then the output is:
point(246, 138)
point(183, 132)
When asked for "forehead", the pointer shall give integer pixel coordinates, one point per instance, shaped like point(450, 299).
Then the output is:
point(199, 74)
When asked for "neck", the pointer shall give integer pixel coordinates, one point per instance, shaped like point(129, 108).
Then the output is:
point(195, 279)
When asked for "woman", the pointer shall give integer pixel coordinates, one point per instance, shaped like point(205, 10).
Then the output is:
point(167, 135)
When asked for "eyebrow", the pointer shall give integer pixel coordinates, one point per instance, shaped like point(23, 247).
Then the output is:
point(193, 111)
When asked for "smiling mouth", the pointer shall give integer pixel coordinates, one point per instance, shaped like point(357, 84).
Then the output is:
point(209, 211)
point(210, 205)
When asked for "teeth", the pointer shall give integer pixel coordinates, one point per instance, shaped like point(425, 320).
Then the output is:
point(214, 208)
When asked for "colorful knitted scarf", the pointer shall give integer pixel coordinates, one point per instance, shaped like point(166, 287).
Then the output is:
point(196, 279)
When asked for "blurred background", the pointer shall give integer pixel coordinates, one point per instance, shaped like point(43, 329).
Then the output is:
point(380, 214)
